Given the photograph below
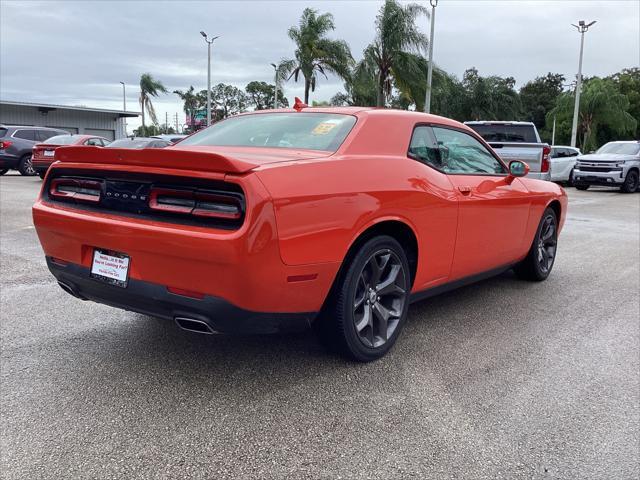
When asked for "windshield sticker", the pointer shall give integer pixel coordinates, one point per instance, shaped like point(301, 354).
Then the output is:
point(325, 127)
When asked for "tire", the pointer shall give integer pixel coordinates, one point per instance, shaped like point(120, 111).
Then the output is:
point(538, 263)
point(581, 186)
point(25, 167)
point(42, 174)
point(570, 180)
point(631, 182)
point(369, 302)
point(3, 171)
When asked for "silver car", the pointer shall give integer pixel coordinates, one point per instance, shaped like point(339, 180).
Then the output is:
point(615, 164)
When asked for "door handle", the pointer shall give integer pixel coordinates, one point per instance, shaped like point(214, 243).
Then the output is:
point(465, 190)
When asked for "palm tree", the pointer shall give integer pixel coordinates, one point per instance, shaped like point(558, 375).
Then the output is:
point(149, 87)
point(314, 52)
point(191, 102)
point(395, 52)
point(601, 104)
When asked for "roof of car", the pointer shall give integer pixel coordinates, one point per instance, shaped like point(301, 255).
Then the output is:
point(31, 127)
point(496, 122)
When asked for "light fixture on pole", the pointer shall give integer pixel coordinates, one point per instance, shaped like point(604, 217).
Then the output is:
point(427, 100)
point(275, 96)
point(209, 42)
point(124, 107)
point(582, 28)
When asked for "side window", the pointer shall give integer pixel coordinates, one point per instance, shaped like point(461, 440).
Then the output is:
point(423, 147)
point(43, 135)
point(25, 134)
point(460, 153)
point(94, 141)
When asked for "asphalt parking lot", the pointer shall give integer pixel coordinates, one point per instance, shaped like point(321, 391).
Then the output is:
point(503, 379)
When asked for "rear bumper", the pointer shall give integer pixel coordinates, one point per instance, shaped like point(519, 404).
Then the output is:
point(155, 300)
point(540, 175)
point(8, 161)
point(40, 165)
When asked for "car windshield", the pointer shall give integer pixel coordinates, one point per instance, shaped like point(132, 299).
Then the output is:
point(506, 133)
point(309, 131)
point(60, 140)
point(136, 143)
point(620, 148)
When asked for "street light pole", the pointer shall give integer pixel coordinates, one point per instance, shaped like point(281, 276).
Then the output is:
point(582, 28)
point(427, 100)
point(209, 42)
point(124, 107)
point(275, 98)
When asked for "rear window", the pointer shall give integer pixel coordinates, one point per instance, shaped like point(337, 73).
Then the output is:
point(129, 143)
point(506, 133)
point(60, 140)
point(620, 148)
point(308, 131)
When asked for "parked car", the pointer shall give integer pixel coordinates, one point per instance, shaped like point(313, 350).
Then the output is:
point(615, 164)
point(16, 144)
point(138, 143)
point(269, 221)
point(173, 138)
point(562, 160)
point(517, 141)
point(44, 153)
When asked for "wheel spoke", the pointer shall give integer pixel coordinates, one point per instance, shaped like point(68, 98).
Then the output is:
point(365, 320)
point(382, 320)
point(389, 286)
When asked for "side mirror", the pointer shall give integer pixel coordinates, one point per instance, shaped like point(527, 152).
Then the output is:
point(518, 168)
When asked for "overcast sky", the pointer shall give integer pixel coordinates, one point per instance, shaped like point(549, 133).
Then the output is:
point(77, 52)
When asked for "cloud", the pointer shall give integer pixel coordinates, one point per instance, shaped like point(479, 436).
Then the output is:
point(78, 52)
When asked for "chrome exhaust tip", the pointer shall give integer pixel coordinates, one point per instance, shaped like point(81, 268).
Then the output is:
point(193, 325)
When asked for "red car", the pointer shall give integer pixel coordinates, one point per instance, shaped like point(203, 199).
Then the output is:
point(273, 220)
point(43, 153)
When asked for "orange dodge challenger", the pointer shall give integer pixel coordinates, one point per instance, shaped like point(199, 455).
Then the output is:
point(280, 219)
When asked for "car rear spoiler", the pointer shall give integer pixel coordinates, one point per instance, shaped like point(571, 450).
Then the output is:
point(193, 158)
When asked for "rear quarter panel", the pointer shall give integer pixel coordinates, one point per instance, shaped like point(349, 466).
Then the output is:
point(323, 206)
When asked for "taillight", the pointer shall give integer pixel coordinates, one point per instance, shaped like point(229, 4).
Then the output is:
point(197, 203)
point(546, 151)
point(76, 189)
point(5, 144)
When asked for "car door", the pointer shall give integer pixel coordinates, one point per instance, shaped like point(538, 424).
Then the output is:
point(493, 207)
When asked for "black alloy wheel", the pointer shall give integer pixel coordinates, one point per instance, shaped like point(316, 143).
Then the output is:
point(631, 181)
point(539, 261)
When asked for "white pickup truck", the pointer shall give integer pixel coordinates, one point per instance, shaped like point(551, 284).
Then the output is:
point(517, 141)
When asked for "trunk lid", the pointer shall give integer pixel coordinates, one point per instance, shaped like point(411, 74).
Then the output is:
point(39, 150)
point(221, 159)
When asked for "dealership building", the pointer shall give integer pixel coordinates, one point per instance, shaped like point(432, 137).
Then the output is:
point(110, 124)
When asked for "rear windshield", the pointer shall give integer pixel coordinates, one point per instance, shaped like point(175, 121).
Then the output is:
point(506, 133)
point(60, 140)
point(309, 131)
point(128, 143)
point(620, 148)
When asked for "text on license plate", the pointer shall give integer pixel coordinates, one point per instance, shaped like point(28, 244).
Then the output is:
point(110, 267)
point(49, 153)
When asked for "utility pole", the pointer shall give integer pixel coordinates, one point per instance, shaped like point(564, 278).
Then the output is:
point(275, 98)
point(209, 42)
point(582, 28)
point(166, 122)
point(177, 128)
point(124, 107)
point(427, 100)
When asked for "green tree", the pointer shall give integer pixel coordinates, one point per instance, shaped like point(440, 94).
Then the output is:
point(539, 97)
point(395, 52)
point(191, 102)
point(628, 83)
point(149, 87)
point(315, 53)
point(601, 104)
point(260, 95)
point(226, 100)
point(489, 98)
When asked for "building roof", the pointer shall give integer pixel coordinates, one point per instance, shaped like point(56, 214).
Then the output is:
point(49, 107)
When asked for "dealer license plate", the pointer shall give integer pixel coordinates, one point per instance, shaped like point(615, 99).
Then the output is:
point(49, 153)
point(110, 267)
